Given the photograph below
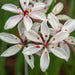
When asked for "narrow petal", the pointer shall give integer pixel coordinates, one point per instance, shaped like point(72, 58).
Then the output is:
point(32, 1)
point(63, 17)
point(59, 37)
point(58, 8)
point(11, 51)
point(12, 21)
point(53, 20)
point(69, 26)
point(44, 61)
point(29, 59)
point(38, 6)
point(33, 36)
point(38, 15)
point(24, 4)
point(27, 22)
point(70, 40)
point(12, 8)
point(59, 52)
point(45, 30)
point(21, 30)
point(9, 38)
point(32, 49)
point(36, 26)
point(66, 48)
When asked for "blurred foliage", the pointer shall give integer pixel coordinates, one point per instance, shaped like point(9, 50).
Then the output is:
point(57, 66)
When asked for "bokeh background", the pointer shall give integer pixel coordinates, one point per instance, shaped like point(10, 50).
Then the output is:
point(15, 65)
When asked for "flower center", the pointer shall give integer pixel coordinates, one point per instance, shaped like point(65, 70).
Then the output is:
point(26, 12)
point(45, 44)
point(25, 42)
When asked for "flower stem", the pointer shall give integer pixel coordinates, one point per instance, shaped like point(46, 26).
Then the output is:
point(26, 68)
point(46, 73)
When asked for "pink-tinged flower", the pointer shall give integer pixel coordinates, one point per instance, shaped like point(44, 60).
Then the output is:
point(18, 44)
point(46, 2)
point(43, 44)
point(27, 13)
point(69, 27)
point(57, 9)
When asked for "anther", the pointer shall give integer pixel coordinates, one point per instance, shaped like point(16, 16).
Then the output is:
point(46, 36)
point(17, 7)
point(19, 46)
point(53, 39)
point(69, 37)
point(45, 52)
point(66, 30)
point(22, 35)
point(24, 2)
point(19, 13)
point(52, 46)
point(38, 38)
point(30, 10)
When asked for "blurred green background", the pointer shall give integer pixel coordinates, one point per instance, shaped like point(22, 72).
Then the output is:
point(15, 65)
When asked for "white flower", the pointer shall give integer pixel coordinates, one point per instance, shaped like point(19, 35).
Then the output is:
point(46, 2)
point(42, 44)
point(69, 27)
point(27, 13)
point(57, 9)
point(10, 38)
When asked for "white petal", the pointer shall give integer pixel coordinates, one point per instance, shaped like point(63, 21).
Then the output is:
point(38, 15)
point(53, 20)
point(11, 8)
point(24, 4)
point(59, 52)
point(12, 21)
point(38, 6)
point(45, 30)
point(32, 49)
point(66, 48)
point(29, 59)
point(44, 61)
point(32, 1)
point(63, 17)
point(52, 31)
point(33, 36)
point(71, 40)
point(11, 51)
point(36, 26)
point(9, 38)
point(58, 8)
point(27, 22)
point(69, 26)
point(21, 30)
point(59, 37)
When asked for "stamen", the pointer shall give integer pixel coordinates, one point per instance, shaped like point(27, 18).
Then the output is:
point(46, 36)
point(52, 46)
point(38, 38)
point(17, 7)
point(22, 34)
point(45, 7)
point(66, 30)
point(19, 46)
point(24, 2)
point(19, 13)
point(69, 37)
point(37, 46)
point(16, 38)
point(45, 52)
point(53, 39)
point(30, 10)
point(57, 31)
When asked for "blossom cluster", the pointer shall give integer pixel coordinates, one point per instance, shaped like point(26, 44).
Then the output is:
point(47, 35)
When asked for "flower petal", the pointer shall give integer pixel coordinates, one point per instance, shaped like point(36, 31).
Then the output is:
point(53, 20)
point(12, 8)
point(29, 59)
point(11, 51)
point(38, 15)
point(21, 30)
point(32, 1)
point(58, 8)
point(27, 22)
point(70, 40)
point(33, 36)
point(9, 38)
point(32, 49)
point(36, 26)
point(44, 61)
point(63, 17)
point(59, 52)
point(38, 6)
point(12, 21)
point(59, 37)
point(45, 30)
point(24, 4)
point(66, 48)
point(69, 26)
